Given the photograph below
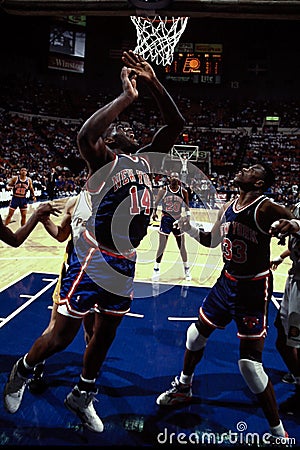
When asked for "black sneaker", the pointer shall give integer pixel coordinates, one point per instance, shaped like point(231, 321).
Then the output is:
point(37, 385)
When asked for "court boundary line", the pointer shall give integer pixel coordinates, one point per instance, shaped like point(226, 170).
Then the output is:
point(31, 300)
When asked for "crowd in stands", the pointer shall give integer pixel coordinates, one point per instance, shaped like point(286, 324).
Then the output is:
point(39, 124)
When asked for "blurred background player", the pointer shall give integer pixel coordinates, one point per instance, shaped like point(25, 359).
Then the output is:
point(19, 184)
point(77, 211)
point(288, 319)
point(51, 178)
point(174, 200)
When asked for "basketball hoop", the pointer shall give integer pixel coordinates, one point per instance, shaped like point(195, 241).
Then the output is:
point(157, 37)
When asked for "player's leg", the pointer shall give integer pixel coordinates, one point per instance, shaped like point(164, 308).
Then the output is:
point(180, 240)
point(251, 368)
point(290, 352)
point(23, 212)
point(62, 334)
point(37, 384)
point(9, 216)
point(253, 297)
point(105, 328)
point(112, 297)
point(213, 314)
point(163, 239)
point(88, 326)
point(181, 388)
point(80, 399)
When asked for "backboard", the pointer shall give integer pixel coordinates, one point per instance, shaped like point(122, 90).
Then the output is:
point(188, 152)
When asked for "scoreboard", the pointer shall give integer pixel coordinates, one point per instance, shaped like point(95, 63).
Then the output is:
point(199, 63)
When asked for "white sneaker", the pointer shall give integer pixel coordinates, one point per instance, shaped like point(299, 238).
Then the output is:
point(178, 394)
point(81, 403)
point(288, 378)
point(156, 274)
point(187, 274)
point(14, 390)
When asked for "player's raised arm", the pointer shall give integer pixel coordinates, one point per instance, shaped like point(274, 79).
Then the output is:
point(92, 135)
point(166, 136)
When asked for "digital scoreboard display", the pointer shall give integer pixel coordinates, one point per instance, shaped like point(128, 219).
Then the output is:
point(199, 63)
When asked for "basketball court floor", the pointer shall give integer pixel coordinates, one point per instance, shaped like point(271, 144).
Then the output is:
point(143, 360)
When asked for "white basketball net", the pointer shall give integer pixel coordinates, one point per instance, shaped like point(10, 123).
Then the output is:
point(157, 37)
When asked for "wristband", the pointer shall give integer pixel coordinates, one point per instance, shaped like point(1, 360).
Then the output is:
point(278, 259)
point(188, 213)
point(298, 223)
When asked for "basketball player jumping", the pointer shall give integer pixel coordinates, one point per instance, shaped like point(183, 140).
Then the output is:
point(121, 193)
point(76, 213)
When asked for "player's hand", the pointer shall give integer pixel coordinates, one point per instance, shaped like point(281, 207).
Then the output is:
point(45, 210)
point(44, 219)
point(183, 223)
point(283, 227)
point(154, 217)
point(274, 263)
point(128, 78)
point(140, 66)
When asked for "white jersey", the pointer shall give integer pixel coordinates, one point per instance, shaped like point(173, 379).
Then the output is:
point(82, 211)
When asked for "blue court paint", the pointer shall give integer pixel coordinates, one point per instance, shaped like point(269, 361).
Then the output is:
point(143, 360)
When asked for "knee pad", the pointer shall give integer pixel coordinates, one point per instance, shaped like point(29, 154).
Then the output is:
point(194, 340)
point(293, 337)
point(254, 375)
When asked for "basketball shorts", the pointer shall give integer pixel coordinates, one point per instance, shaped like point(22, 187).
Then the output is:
point(245, 301)
point(97, 278)
point(56, 292)
point(289, 313)
point(166, 226)
point(18, 202)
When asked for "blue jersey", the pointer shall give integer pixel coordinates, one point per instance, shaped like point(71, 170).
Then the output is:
point(122, 203)
point(245, 246)
point(21, 187)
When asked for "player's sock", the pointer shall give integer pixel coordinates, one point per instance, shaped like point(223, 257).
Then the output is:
point(86, 385)
point(23, 368)
point(186, 379)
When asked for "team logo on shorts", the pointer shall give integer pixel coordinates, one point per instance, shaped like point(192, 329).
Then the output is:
point(250, 321)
